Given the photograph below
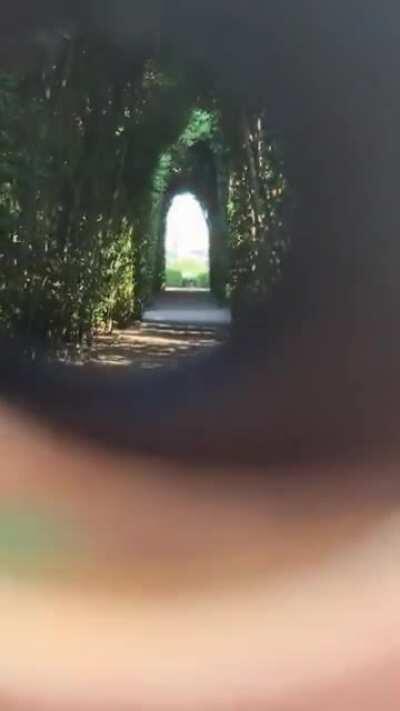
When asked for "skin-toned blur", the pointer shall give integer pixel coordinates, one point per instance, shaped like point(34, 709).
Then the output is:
point(126, 585)
point(249, 560)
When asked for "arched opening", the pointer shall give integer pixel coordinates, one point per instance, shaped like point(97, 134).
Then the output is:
point(187, 245)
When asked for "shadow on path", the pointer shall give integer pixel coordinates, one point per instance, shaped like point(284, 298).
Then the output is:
point(153, 346)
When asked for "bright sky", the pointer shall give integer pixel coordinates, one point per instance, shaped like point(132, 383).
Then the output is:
point(187, 228)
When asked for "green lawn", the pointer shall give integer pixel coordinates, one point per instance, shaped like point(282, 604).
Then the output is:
point(187, 272)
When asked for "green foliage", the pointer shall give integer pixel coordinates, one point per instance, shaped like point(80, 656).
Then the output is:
point(187, 271)
point(258, 195)
point(203, 280)
point(77, 154)
point(88, 156)
point(202, 126)
point(185, 157)
point(173, 278)
point(190, 267)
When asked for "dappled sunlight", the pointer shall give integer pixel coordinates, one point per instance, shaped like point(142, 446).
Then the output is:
point(151, 347)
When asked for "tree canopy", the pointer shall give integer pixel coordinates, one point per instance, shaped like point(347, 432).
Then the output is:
point(94, 145)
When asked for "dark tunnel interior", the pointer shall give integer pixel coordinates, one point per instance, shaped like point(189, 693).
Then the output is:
point(313, 370)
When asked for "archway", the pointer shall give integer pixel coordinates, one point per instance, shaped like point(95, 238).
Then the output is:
point(187, 244)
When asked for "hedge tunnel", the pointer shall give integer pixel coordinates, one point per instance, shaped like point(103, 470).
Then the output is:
point(282, 117)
